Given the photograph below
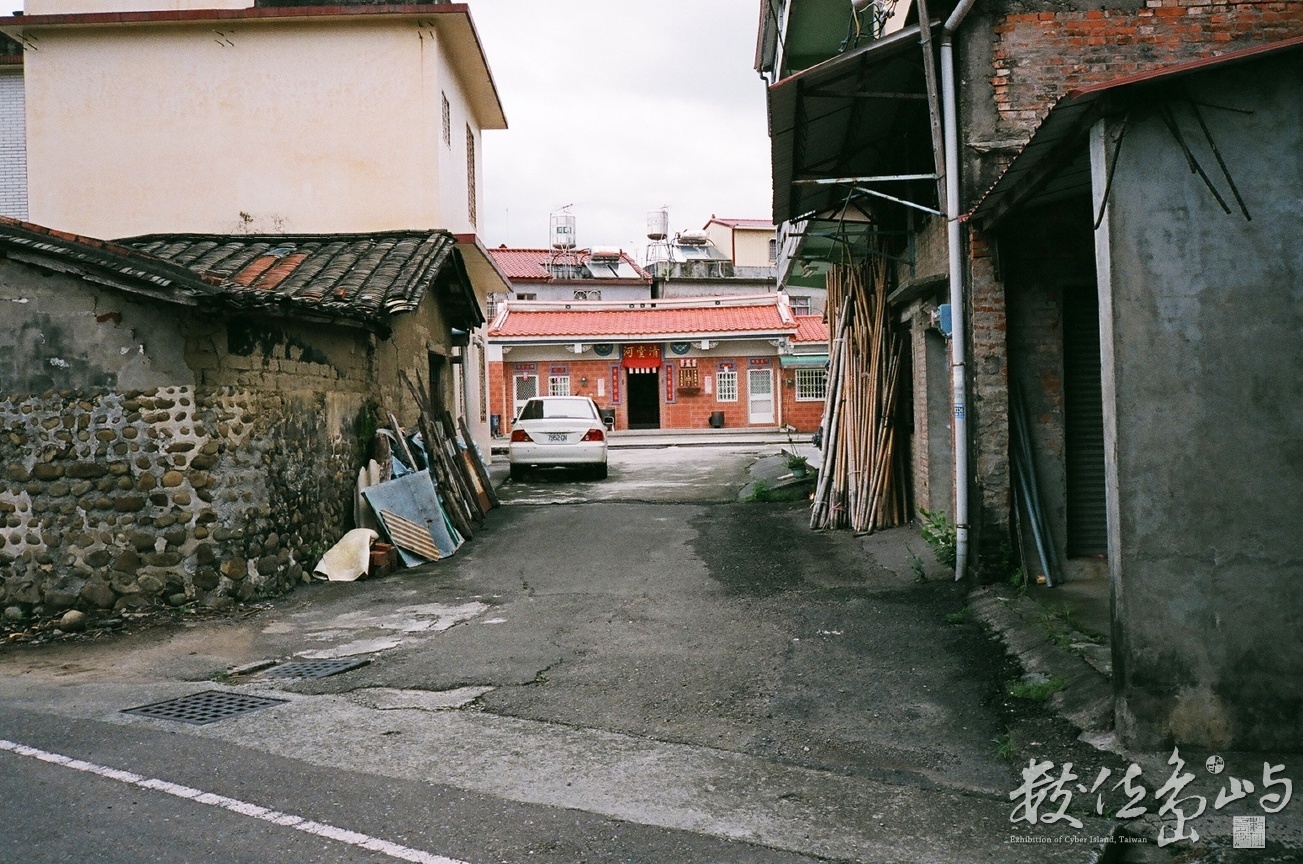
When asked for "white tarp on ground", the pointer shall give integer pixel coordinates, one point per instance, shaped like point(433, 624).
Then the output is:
point(350, 558)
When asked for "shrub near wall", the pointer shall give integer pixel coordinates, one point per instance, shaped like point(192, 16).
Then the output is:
point(125, 500)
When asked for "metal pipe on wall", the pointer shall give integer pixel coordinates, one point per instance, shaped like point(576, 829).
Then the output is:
point(958, 342)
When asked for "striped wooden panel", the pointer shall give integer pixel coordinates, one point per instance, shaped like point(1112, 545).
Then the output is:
point(409, 535)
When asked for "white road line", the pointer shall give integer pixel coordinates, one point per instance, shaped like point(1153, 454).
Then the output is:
point(352, 838)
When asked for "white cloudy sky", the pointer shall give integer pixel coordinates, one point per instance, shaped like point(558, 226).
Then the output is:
point(618, 108)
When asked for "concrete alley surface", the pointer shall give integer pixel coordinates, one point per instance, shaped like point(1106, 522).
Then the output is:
point(629, 679)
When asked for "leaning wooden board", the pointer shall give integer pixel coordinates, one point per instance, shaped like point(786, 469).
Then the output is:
point(480, 471)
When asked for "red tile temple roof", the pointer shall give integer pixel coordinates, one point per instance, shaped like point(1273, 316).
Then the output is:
point(810, 328)
point(753, 316)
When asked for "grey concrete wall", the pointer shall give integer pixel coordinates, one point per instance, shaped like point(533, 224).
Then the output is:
point(566, 293)
point(62, 333)
point(712, 287)
point(1202, 320)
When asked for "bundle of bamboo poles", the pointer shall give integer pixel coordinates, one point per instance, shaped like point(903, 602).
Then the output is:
point(860, 486)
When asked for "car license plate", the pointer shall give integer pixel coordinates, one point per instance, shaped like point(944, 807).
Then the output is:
point(557, 437)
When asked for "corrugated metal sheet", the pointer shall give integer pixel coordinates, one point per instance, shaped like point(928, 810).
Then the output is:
point(1083, 400)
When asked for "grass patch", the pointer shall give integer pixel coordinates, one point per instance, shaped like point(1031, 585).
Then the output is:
point(1033, 691)
point(762, 492)
point(960, 617)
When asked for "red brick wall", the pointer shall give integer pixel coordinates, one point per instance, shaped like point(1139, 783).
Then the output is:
point(805, 416)
point(988, 407)
point(690, 410)
point(1040, 56)
point(499, 397)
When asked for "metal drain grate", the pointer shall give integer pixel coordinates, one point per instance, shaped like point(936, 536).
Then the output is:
point(301, 670)
point(200, 708)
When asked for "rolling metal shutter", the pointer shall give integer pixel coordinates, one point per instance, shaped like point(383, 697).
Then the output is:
point(1084, 422)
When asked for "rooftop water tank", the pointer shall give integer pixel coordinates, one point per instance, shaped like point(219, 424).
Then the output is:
point(658, 224)
point(562, 229)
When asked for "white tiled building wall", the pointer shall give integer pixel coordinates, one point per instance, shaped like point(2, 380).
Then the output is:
point(13, 145)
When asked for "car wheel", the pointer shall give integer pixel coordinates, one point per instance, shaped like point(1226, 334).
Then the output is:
point(599, 473)
point(517, 472)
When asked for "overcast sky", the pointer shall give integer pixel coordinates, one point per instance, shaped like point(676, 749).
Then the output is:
point(618, 108)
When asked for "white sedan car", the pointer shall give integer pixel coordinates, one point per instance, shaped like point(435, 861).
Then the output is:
point(558, 432)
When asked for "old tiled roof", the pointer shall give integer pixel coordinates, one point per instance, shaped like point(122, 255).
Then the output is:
point(530, 265)
point(810, 328)
point(105, 263)
point(670, 319)
point(358, 276)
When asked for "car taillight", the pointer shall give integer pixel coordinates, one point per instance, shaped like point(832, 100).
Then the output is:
point(594, 435)
point(520, 436)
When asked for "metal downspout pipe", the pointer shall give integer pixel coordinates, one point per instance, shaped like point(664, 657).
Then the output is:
point(958, 340)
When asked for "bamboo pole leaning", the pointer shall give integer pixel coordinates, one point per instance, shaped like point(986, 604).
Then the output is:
point(859, 485)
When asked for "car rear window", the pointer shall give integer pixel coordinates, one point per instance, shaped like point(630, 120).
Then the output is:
point(553, 409)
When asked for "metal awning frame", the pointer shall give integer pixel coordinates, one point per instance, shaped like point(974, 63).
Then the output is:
point(818, 126)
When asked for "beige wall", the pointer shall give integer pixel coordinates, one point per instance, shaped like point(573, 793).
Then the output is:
point(748, 247)
point(751, 247)
point(296, 126)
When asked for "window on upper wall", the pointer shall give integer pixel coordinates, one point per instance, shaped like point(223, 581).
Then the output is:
point(470, 172)
point(447, 120)
point(773, 250)
point(528, 295)
point(800, 305)
point(811, 384)
point(588, 294)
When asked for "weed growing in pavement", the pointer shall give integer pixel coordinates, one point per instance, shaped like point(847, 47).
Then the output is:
point(761, 491)
point(1057, 636)
point(1004, 749)
point(938, 534)
point(959, 617)
point(1033, 691)
point(916, 564)
point(1018, 580)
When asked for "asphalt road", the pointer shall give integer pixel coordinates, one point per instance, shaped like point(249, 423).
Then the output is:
point(641, 670)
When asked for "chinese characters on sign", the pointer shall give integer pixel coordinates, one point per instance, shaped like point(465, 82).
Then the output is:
point(641, 356)
point(1044, 797)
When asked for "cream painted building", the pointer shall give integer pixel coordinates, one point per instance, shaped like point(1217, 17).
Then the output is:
point(311, 119)
point(217, 117)
point(748, 242)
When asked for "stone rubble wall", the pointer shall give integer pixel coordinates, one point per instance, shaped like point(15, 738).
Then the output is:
point(175, 495)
